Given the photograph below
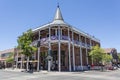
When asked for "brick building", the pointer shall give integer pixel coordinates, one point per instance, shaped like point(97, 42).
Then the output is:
point(4, 55)
point(67, 45)
point(113, 53)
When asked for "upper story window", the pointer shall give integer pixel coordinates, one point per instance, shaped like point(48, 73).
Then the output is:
point(5, 55)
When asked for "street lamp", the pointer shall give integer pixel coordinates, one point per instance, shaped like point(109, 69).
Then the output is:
point(49, 58)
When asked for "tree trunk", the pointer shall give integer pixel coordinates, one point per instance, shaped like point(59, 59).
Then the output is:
point(27, 64)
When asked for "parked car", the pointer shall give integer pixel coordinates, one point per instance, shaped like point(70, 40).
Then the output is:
point(111, 68)
point(118, 65)
point(115, 67)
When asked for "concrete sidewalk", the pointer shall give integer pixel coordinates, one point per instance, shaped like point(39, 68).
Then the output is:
point(23, 70)
point(53, 72)
point(14, 70)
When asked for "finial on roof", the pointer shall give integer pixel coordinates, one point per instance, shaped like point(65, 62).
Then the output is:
point(58, 15)
point(58, 4)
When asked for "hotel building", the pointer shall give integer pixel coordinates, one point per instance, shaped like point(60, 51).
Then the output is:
point(67, 46)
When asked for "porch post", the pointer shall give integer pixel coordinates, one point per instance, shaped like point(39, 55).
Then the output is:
point(69, 51)
point(90, 43)
point(86, 51)
point(59, 50)
point(17, 58)
point(91, 48)
point(5, 64)
point(38, 63)
point(81, 60)
point(56, 32)
point(61, 34)
point(73, 51)
point(28, 63)
point(21, 62)
point(49, 51)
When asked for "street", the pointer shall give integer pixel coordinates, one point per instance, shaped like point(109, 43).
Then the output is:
point(88, 75)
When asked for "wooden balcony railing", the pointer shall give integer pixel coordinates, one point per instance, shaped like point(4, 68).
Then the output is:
point(45, 40)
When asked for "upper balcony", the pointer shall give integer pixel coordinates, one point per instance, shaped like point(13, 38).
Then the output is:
point(62, 39)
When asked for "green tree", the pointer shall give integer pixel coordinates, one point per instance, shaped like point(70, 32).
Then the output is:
point(106, 58)
point(119, 57)
point(96, 53)
point(24, 44)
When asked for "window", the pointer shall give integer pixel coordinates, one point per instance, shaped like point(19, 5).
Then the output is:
point(4, 55)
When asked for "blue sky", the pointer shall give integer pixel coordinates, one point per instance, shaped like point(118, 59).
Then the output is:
point(100, 18)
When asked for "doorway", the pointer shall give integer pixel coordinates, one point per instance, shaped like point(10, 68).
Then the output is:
point(43, 60)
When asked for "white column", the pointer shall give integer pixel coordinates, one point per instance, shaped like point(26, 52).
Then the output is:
point(21, 62)
point(49, 51)
point(91, 48)
point(73, 51)
point(59, 51)
point(56, 32)
point(49, 42)
point(86, 50)
point(69, 50)
point(17, 58)
point(61, 34)
point(90, 43)
point(38, 63)
point(5, 64)
point(27, 63)
point(81, 60)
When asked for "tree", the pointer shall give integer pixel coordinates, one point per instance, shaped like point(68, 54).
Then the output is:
point(24, 44)
point(96, 53)
point(106, 58)
point(119, 57)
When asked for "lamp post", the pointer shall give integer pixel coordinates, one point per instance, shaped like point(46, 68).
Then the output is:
point(49, 58)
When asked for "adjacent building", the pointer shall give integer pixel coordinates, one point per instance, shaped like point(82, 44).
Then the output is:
point(4, 55)
point(113, 53)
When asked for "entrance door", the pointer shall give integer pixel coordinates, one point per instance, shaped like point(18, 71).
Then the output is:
point(54, 54)
point(43, 60)
point(62, 58)
point(55, 59)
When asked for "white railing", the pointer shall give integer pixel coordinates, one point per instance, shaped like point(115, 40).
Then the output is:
point(45, 40)
point(54, 37)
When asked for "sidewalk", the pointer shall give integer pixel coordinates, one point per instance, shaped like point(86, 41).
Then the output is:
point(14, 70)
point(54, 72)
point(23, 70)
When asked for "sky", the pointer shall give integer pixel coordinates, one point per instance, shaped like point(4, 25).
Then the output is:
point(100, 18)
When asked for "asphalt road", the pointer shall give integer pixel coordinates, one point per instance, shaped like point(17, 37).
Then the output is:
point(89, 75)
